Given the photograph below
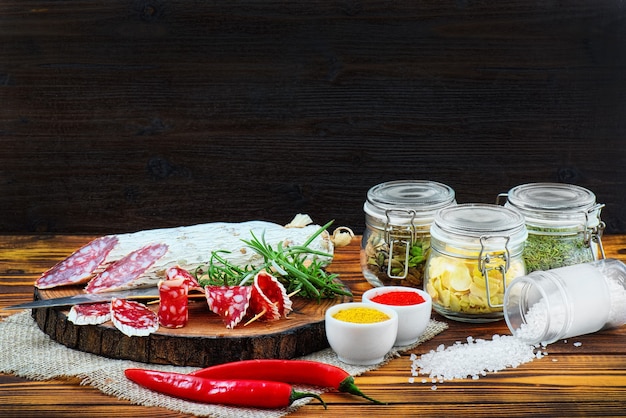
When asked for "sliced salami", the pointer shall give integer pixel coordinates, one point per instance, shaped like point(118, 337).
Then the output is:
point(269, 300)
point(263, 308)
point(178, 272)
point(133, 318)
point(90, 314)
point(125, 273)
point(274, 291)
point(173, 303)
point(79, 266)
point(229, 302)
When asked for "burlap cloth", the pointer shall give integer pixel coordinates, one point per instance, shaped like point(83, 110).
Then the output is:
point(27, 352)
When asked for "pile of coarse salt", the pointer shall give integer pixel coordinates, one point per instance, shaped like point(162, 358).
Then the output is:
point(474, 358)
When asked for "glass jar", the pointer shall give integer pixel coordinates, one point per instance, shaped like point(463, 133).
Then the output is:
point(476, 251)
point(563, 222)
point(546, 306)
point(396, 240)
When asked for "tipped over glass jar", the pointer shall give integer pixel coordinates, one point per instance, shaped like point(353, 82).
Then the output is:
point(396, 240)
point(563, 222)
point(476, 251)
point(546, 306)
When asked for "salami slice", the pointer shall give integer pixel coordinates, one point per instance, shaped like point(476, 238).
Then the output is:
point(173, 303)
point(229, 302)
point(124, 273)
point(79, 266)
point(274, 291)
point(90, 314)
point(269, 301)
point(263, 308)
point(133, 318)
point(178, 272)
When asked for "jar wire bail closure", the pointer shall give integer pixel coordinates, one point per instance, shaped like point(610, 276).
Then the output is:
point(594, 234)
point(391, 239)
point(484, 261)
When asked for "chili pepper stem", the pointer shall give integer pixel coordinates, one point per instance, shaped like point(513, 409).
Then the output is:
point(295, 395)
point(347, 385)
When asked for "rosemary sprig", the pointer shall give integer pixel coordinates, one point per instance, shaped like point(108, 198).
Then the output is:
point(296, 267)
point(219, 271)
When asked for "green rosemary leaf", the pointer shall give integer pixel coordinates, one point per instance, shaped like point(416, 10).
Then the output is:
point(297, 267)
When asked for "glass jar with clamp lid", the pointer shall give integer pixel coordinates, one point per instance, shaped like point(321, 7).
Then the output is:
point(563, 222)
point(476, 251)
point(396, 240)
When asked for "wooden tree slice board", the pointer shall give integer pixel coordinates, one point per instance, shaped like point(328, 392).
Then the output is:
point(204, 341)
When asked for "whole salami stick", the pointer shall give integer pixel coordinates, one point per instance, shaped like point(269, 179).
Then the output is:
point(187, 246)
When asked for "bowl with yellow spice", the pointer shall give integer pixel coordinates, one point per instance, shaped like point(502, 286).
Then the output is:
point(360, 333)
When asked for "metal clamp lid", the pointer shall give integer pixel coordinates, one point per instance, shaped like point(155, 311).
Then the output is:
point(392, 239)
point(414, 201)
point(553, 205)
point(594, 233)
point(485, 260)
point(463, 225)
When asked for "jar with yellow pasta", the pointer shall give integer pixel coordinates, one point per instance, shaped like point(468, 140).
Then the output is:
point(476, 251)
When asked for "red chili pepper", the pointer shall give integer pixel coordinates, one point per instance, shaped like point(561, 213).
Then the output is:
point(303, 372)
point(236, 392)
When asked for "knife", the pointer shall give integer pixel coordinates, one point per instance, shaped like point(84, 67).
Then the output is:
point(144, 293)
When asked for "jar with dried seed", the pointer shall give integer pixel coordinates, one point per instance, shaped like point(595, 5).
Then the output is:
point(396, 241)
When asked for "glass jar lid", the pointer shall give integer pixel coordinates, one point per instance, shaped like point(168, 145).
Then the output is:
point(555, 205)
point(403, 202)
point(475, 225)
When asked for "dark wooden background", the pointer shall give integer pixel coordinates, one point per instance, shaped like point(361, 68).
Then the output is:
point(124, 115)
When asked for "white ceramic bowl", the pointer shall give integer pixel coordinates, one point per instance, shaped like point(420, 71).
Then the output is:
point(361, 343)
point(412, 319)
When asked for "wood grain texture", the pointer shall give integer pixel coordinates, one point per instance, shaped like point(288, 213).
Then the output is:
point(589, 380)
point(125, 115)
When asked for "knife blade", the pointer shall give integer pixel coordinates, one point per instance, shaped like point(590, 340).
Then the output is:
point(83, 298)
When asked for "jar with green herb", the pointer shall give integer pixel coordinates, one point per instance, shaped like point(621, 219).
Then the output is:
point(396, 240)
point(563, 222)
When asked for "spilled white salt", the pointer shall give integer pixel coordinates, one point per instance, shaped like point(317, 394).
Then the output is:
point(474, 358)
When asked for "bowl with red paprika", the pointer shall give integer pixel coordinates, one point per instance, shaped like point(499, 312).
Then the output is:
point(413, 306)
point(359, 333)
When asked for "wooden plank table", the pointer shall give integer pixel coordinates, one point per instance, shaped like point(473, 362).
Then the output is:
point(589, 379)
